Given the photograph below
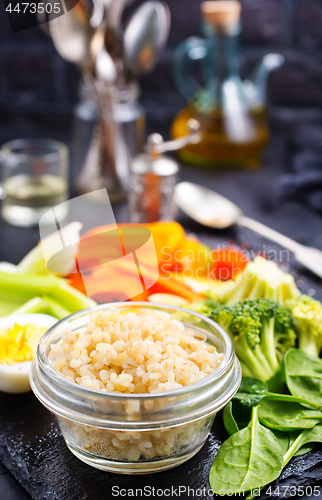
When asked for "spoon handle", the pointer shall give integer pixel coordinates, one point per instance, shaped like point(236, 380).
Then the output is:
point(269, 233)
point(307, 256)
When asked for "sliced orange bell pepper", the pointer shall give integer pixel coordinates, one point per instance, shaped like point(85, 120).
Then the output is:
point(167, 238)
point(194, 256)
point(76, 280)
point(116, 280)
point(174, 286)
point(119, 281)
point(107, 254)
point(227, 263)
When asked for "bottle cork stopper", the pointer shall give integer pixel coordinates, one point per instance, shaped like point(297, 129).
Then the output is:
point(221, 12)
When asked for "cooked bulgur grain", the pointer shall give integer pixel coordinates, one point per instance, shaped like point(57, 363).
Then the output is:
point(135, 446)
point(134, 353)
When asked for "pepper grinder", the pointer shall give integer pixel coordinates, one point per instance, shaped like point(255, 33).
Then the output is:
point(154, 175)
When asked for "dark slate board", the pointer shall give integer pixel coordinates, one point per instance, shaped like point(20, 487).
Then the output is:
point(32, 448)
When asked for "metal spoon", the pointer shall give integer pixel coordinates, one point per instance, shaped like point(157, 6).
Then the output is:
point(114, 12)
point(109, 63)
point(213, 210)
point(145, 36)
point(75, 39)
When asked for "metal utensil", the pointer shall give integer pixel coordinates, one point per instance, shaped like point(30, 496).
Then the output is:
point(213, 210)
point(108, 145)
point(109, 58)
point(114, 10)
point(145, 36)
point(75, 39)
point(89, 35)
point(117, 135)
point(105, 67)
point(98, 13)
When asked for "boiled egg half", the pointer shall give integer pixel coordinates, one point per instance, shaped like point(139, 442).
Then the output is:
point(19, 337)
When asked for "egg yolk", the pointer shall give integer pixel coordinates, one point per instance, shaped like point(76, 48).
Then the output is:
point(19, 343)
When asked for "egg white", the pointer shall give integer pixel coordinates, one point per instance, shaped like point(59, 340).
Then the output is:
point(14, 378)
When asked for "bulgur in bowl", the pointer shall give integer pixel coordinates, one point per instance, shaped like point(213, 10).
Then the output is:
point(135, 386)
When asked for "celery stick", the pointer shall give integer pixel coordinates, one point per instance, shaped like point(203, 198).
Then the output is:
point(55, 309)
point(34, 261)
point(44, 305)
point(27, 285)
point(7, 308)
point(35, 305)
point(12, 298)
point(21, 288)
point(70, 298)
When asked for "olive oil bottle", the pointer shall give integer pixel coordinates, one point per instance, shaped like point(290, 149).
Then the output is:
point(232, 114)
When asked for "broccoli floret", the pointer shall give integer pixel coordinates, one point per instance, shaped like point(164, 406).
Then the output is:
point(307, 317)
point(284, 335)
point(261, 330)
point(260, 279)
point(204, 307)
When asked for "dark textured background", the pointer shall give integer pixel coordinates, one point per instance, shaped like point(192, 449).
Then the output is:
point(37, 86)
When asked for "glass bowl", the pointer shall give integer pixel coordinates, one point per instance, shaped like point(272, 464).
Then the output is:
point(136, 433)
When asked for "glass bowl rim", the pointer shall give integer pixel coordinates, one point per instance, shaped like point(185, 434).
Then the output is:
point(224, 367)
point(59, 149)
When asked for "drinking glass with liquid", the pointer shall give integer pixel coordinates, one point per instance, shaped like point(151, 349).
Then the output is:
point(34, 173)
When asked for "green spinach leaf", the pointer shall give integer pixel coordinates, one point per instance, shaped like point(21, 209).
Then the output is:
point(283, 440)
point(249, 400)
point(229, 421)
point(249, 459)
point(287, 416)
point(250, 394)
point(252, 386)
point(305, 438)
point(304, 449)
point(300, 443)
point(302, 374)
point(241, 413)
